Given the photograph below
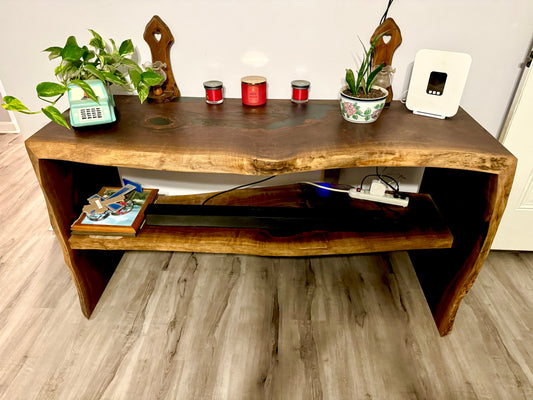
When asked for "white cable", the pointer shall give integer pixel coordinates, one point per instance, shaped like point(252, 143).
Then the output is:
point(325, 187)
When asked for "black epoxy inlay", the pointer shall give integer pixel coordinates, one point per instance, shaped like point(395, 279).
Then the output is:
point(160, 121)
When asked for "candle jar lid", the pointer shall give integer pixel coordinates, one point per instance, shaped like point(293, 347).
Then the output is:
point(300, 84)
point(212, 85)
point(253, 80)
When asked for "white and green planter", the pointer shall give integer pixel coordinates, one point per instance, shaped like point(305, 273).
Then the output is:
point(361, 110)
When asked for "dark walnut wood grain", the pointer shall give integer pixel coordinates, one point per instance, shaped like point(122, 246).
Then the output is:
point(192, 136)
point(281, 137)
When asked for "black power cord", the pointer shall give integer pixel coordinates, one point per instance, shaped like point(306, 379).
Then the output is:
point(384, 17)
point(237, 187)
point(383, 178)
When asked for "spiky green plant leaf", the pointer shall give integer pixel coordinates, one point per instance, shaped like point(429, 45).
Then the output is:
point(372, 77)
point(365, 76)
point(350, 79)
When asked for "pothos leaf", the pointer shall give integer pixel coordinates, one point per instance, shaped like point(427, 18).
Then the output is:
point(131, 64)
point(50, 89)
point(54, 114)
point(126, 48)
point(115, 51)
point(95, 71)
point(113, 78)
point(86, 88)
point(54, 52)
point(142, 92)
point(97, 41)
point(135, 77)
point(88, 55)
point(13, 104)
point(71, 51)
point(151, 78)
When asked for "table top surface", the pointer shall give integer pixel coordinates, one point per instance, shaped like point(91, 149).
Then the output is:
point(279, 137)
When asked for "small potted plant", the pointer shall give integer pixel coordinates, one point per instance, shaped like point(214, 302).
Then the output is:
point(85, 73)
point(361, 101)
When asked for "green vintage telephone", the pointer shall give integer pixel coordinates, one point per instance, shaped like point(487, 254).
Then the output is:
point(86, 112)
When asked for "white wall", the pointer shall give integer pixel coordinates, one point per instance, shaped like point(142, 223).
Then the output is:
point(280, 39)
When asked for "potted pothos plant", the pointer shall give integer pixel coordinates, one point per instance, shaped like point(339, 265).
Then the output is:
point(361, 101)
point(80, 68)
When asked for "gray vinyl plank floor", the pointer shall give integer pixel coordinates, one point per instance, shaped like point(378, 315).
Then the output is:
point(216, 326)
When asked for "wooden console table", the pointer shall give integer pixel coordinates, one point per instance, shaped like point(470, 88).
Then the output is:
point(468, 176)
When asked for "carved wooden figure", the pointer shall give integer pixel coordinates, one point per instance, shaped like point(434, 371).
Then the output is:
point(158, 36)
point(386, 46)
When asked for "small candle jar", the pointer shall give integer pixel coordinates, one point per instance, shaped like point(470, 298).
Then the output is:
point(300, 91)
point(213, 92)
point(253, 90)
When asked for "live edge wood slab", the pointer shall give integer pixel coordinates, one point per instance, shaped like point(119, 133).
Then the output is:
point(468, 178)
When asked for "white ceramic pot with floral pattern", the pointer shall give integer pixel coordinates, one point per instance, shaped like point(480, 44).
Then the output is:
point(362, 110)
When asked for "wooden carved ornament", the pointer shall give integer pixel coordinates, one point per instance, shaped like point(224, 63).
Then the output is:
point(384, 51)
point(160, 39)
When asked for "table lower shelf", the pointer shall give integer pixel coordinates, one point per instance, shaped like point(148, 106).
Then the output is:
point(418, 226)
point(260, 242)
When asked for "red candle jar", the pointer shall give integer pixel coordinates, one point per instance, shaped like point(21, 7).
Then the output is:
point(300, 91)
point(213, 92)
point(253, 90)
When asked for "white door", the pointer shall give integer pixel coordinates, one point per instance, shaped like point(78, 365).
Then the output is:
point(516, 228)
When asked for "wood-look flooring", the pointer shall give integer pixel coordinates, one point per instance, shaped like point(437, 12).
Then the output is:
point(213, 326)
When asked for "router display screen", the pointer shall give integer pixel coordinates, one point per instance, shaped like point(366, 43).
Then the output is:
point(436, 83)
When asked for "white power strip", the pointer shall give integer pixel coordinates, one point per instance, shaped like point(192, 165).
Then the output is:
point(386, 198)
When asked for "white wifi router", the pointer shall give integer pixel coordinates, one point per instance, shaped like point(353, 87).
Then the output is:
point(437, 82)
